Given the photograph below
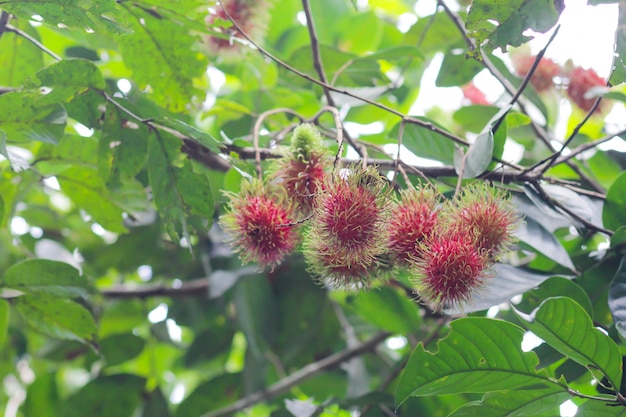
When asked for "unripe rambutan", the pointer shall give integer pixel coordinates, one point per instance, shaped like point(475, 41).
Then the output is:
point(260, 223)
point(347, 231)
point(302, 170)
point(451, 270)
point(580, 82)
point(412, 221)
point(485, 212)
point(250, 15)
point(543, 77)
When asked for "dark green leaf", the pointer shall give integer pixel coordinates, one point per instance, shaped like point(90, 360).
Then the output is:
point(156, 405)
point(555, 287)
point(57, 317)
point(534, 235)
point(567, 327)
point(516, 403)
point(617, 298)
point(211, 395)
point(19, 59)
point(119, 348)
point(106, 396)
point(25, 118)
point(199, 136)
point(74, 14)
point(161, 55)
point(256, 313)
point(178, 191)
point(619, 238)
point(210, 343)
point(424, 143)
point(46, 277)
point(614, 210)
point(514, 18)
point(387, 309)
point(478, 355)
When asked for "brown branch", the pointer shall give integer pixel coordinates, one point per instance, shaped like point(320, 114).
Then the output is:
point(300, 376)
point(315, 50)
point(584, 147)
point(196, 288)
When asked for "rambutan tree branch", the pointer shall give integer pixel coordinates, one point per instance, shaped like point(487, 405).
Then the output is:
point(303, 374)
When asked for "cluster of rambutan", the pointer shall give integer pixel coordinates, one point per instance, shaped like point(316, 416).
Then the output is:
point(580, 81)
point(353, 232)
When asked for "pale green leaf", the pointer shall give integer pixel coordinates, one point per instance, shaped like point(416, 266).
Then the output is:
point(48, 277)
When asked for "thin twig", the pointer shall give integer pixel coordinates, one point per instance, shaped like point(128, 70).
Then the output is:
point(315, 50)
point(584, 147)
point(17, 31)
point(552, 158)
point(300, 376)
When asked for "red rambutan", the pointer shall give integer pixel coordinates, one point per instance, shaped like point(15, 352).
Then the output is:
point(580, 82)
point(474, 94)
point(347, 231)
point(260, 224)
point(451, 269)
point(412, 221)
point(485, 212)
point(543, 77)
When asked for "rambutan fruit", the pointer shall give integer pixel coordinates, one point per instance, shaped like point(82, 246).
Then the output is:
point(412, 221)
point(543, 77)
point(261, 224)
point(302, 170)
point(250, 15)
point(347, 232)
point(485, 212)
point(580, 82)
point(474, 94)
point(451, 269)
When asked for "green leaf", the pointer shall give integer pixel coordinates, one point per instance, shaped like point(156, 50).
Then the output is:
point(156, 405)
point(69, 78)
point(193, 133)
point(57, 317)
point(209, 343)
point(516, 403)
point(424, 143)
point(87, 190)
point(457, 69)
point(387, 309)
point(478, 156)
point(19, 58)
point(567, 327)
point(25, 117)
point(75, 14)
point(256, 312)
point(478, 355)
point(555, 287)
point(119, 348)
point(211, 395)
point(122, 149)
point(593, 408)
point(513, 17)
point(161, 55)
point(614, 210)
point(4, 319)
point(42, 396)
point(617, 298)
point(618, 75)
point(178, 191)
point(534, 235)
point(106, 396)
point(46, 277)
